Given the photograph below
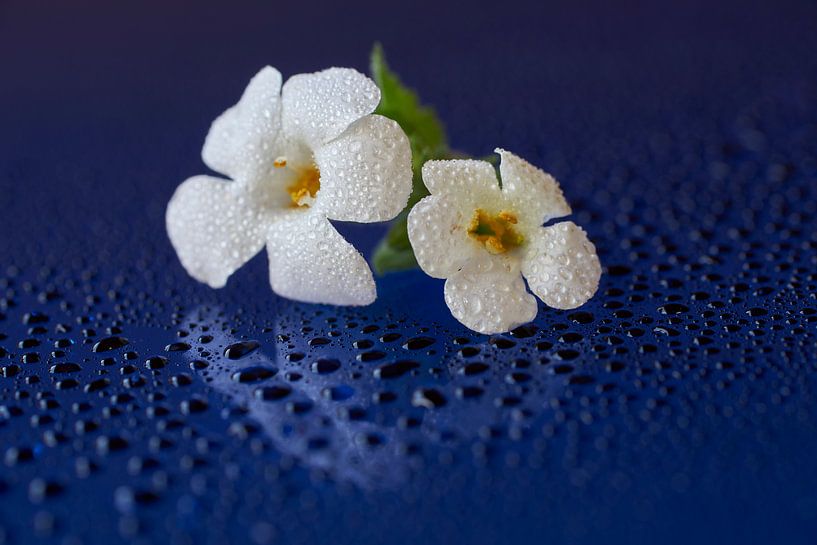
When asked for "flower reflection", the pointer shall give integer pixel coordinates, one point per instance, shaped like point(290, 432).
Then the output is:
point(327, 414)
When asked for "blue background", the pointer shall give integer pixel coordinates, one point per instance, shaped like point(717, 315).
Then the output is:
point(677, 406)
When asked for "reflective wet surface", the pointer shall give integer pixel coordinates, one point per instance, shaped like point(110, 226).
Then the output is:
point(677, 406)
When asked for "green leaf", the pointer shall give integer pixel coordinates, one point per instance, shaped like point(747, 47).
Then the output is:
point(394, 252)
point(398, 102)
point(428, 141)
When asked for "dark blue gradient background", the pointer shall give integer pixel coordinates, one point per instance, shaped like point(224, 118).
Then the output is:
point(684, 134)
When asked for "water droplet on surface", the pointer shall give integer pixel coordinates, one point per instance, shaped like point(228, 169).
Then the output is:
point(241, 349)
point(110, 343)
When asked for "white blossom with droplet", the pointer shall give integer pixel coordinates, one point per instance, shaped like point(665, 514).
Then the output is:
point(485, 289)
point(265, 144)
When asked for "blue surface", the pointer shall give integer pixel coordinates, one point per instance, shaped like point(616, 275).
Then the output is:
point(678, 406)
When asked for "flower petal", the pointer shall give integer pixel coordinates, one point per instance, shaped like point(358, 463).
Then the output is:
point(489, 297)
point(437, 231)
point(365, 172)
point(561, 266)
point(214, 228)
point(320, 106)
point(467, 178)
point(533, 192)
point(239, 140)
point(311, 262)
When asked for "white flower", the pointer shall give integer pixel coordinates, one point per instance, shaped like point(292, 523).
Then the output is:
point(483, 240)
point(298, 156)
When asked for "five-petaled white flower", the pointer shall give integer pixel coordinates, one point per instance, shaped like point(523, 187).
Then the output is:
point(483, 239)
point(298, 155)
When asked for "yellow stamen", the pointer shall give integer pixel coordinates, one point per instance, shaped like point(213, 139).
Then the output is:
point(305, 186)
point(495, 232)
point(280, 162)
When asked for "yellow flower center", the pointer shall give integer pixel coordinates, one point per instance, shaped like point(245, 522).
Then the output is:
point(495, 232)
point(305, 187)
